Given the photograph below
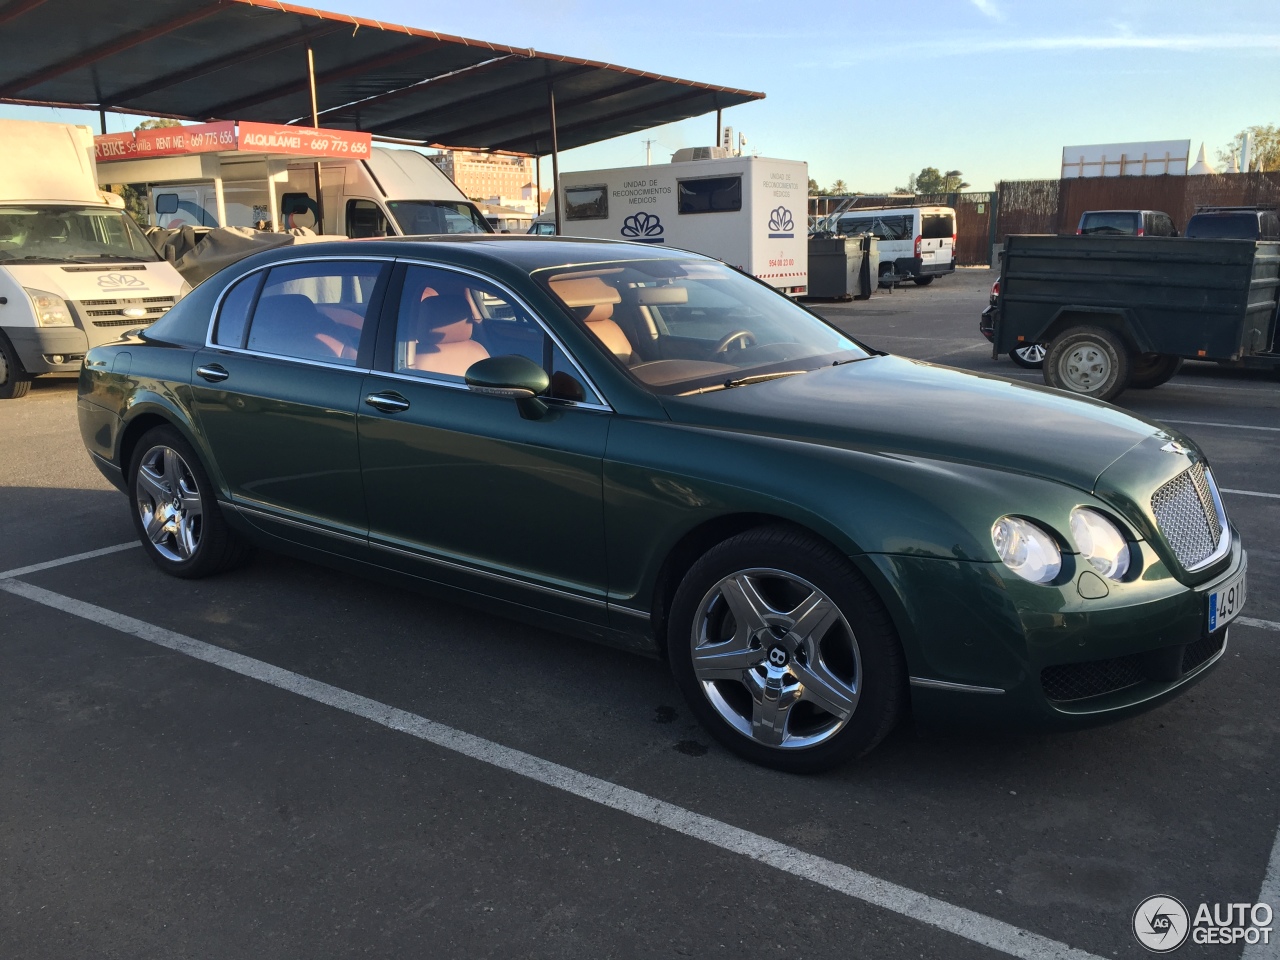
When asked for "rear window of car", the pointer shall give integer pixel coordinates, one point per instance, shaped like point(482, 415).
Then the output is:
point(314, 310)
point(937, 226)
point(1223, 226)
point(1122, 222)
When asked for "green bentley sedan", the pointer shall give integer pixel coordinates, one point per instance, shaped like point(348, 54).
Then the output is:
point(647, 448)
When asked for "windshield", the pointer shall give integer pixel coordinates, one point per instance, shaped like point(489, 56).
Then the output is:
point(687, 326)
point(71, 234)
point(1120, 222)
point(1223, 226)
point(417, 217)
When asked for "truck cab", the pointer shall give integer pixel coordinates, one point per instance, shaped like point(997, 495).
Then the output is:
point(75, 270)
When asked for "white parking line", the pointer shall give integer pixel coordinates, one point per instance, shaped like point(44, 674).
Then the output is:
point(49, 564)
point(1207, 423)
point(1260, 624)
point(1250, 493)
point(1270, 894)
point(962, 922)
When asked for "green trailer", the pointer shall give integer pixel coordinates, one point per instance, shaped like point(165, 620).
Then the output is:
point(1119, 312)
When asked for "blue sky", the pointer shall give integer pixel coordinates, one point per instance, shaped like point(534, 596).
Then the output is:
point(871, 92)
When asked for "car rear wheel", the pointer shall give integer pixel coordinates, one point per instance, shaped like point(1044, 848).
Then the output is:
point(1030, 356)
point(785, 653)
point(1089, 361)
point(175, 512)
point(1152, 369)
point(14, 381)
point(923, 281)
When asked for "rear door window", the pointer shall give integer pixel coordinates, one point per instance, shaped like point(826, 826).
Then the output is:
point(1223, 226)
point(937, 226)
point(315, 311)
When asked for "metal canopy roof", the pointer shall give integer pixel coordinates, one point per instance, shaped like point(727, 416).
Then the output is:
point(246, 60)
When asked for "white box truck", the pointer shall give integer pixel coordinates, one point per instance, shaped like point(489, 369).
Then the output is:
point(75, 270)
point(750, 212)
point(392, 193)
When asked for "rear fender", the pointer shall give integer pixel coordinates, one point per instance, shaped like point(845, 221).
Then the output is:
point(1117, 319)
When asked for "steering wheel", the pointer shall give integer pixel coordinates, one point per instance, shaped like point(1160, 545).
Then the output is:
point(746, 336)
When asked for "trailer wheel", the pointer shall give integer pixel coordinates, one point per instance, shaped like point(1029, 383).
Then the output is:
point(1152, 369)
point(14, 381)
point(1088, 361)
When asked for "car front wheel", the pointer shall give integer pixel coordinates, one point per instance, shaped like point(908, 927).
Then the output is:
point(174, 509)
point(1030, 356)
point(785, 653)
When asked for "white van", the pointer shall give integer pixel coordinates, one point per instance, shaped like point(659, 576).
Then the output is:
point(392, 193)
point(747, 211)
point(75, 270)
point(916, 243)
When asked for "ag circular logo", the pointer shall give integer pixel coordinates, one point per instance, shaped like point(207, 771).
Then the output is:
point(1161, 924)
point(778, 656)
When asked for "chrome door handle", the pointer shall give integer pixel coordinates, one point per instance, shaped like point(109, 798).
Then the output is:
point(390, 402)
point(214, 373)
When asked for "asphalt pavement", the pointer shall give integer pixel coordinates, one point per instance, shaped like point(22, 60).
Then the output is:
point(288, 762)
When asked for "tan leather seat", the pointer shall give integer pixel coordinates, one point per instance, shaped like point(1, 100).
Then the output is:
point(599, 321)
point(441, 340)
point(592, 300)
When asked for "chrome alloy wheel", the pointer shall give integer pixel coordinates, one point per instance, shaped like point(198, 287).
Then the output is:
point(1084, 367)
point(1034, 353)
point(169, 503)
point(776, 659)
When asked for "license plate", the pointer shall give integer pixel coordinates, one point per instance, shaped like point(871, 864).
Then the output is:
point(1226, 602)
point(926, 254)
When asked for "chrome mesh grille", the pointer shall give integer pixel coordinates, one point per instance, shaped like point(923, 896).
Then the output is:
point(1187, 516)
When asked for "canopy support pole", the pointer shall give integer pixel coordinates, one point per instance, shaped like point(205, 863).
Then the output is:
point(537, 200)
point(315, 123)
point(555, 156)
point(273, 213)
point(220, 200)
point(102, 121)
point(719, 129)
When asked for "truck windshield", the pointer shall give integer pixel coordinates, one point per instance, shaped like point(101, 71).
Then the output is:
point(417, 217)
point(691, 326)
point(1223, 226)
point(1114, 222)
point(71, 233)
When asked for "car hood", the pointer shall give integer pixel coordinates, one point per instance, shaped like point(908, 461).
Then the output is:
point(893, 405)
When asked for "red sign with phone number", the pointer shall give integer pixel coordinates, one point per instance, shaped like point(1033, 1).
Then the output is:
point(227, 135)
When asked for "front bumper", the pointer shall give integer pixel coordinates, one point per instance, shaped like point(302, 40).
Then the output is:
point(972, 629)
point(37, 346)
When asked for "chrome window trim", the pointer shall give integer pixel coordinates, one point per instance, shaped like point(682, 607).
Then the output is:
point(487, 574)
point(604, 407)
point(536, 319)
point(954, 687)
point(1224, 538)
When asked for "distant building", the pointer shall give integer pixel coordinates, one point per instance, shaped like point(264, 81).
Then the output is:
point(483, 175)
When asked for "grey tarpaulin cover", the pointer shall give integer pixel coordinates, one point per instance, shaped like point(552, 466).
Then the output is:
point(199, 252)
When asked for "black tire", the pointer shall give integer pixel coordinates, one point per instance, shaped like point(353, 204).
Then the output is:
point(1088, 361)
point(876, 670)
point(923, 281)
point(217, 547)
point(1022, 356)
point(888, 278)
point(14, 380)
point(1152, 369)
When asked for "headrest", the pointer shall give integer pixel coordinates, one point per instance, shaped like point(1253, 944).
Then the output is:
point(593, 314)
point(443, 310)
point(585, 291)
point(661, 296)
point(288, 308)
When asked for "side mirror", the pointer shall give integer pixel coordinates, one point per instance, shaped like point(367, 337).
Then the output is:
point(512, 376)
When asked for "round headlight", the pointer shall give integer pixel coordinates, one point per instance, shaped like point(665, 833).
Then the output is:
point(1100, 542)
point(1026, 549)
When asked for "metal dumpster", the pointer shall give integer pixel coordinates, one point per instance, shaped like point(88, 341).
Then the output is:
point(840, 267)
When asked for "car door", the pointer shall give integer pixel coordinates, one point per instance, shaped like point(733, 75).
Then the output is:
point(276, 390)
point(460, 489)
